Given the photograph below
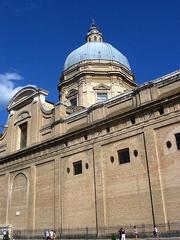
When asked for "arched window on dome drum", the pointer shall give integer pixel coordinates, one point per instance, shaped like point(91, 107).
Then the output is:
point(72, 97)
point(73, 101)
point(89, 39)
point(95, 38)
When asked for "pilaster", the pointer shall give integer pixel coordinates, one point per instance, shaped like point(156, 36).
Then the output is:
point(8, 193)
point(99, 188)
point(32, 197)
point(57, 195)
point(154, 169)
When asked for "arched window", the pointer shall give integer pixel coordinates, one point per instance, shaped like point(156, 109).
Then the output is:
point(19, 201)
point(72, 96)
point(23, 135)
point(73, 101)
point(95, 38)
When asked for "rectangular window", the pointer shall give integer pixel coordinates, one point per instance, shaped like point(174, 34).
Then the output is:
point(73, 102)
point(123, 156)
point(101, 97)
point(77, 167)
point(177, 136)
point(23, 135)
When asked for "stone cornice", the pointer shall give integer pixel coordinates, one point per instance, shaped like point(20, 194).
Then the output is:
point(91, 72)
point(82, 69)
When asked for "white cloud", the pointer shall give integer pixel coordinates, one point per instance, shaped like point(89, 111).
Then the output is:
point(7, 86)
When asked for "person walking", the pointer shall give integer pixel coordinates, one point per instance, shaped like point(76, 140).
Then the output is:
point(47, 235)
point(120, 233)
point(123, 234)
point(51, 233)
point(155, 233)
point(54, 235)
point(135, 232)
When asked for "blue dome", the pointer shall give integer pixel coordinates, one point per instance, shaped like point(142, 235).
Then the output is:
point(95, 51)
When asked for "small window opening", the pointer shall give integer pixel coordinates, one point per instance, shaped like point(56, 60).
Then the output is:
point(123, 156)
point(95, 38)
point(107, 129)
point(168, 144)
point(89, 39)
point(86, 165)
point(177, 136)
point(112, 159)
point(85, 137)
point(133, 120)
point(135, 153)
point(66, 143)
point(161, 110)
point(77, 167)
point(68, 170)
point(23, 135)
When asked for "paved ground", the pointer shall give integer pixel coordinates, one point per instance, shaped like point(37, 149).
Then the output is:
point(164, 238)
point(146, 238)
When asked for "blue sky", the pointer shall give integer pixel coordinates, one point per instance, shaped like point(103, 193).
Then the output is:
point(37, 35)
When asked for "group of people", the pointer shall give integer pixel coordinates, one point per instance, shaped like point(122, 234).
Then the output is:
point(50, 234)
point(122, 233)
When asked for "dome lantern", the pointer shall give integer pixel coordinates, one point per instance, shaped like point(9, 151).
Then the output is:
point(94, 35)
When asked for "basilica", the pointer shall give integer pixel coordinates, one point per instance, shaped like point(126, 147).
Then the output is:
point(107, 154)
